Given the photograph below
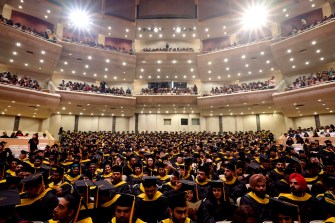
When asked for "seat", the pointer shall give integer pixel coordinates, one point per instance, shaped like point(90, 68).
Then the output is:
point(238, 201)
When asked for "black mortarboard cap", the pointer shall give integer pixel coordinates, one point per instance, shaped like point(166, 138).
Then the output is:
point(177, 200)
point(176, 174)
point(24, 152)
point(187, 185)
point(204, 169)
point(230, 166)
point(254, 166)
point(137, 165)
point(117, 168)
point(216, 183)
point(125, 200)
point(32, 180)
point(97, 156)
point(83, 183)
point(149, 181)
point(264, 157)
point(285, 208)
point(9, 198)
point(13, 180)
point(104, 185)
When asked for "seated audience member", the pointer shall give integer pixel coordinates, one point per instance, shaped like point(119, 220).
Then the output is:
point(152, 200)
point(217, 206)
point(257, 199)
point(244, 214)
point(37, 203)
point(299, 197)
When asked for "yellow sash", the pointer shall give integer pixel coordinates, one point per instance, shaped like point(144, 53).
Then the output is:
point(120, 184)
point(164, 178)
point(330, 220)
point(258, 199)
point(86, 220)
point(141, 187)
point(29, 201)
point(201, 183)
point(295, 198)
point(168, 220)
point(71, 179)
point(277, 171)
point(53, 186)
point(311, 179)
point(284, 181)
point(12, 173)
point(137, 176)
point(109, 203)
point(229, 182)
point(169, 183)
point(107, 175)
point(144, 197)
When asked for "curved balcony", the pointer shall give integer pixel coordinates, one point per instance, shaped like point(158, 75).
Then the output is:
point(166, 99)
point(318, 99)
point(28, 50)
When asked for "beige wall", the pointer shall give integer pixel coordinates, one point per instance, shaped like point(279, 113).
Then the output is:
point(304, 122)
point(88, 123)
point(7, 123)
point(212, 124)
point(229, 123)
point(327, 120)
point(122, 124)
point(30, 124)
point(155, 122)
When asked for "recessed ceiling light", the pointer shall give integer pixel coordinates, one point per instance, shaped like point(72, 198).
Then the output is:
point(268, 61)
point(173, 35)
point(167, 76)
point(208, 35)
point(14, 53)
point(94, 75)
point(127, 30)
point(284, 10)
point(46, 16)
point(159, 61)
point(89, 57)
point(322, 58)
point(175, 76)
point(84, 73)
point(115, 78)
point(193, 34)
point(61, 70)
point(239, 74)
point(209, 71)
point(249, 72)
point(260, 71)
point(227, 68)
point(139, 28)
point(291, 59)
point(313, 42)
point(313, 5)
point(140, 35)
point(124, 63)
point(26, 64)
point(262, 53)
point(106, 69)
point(210, 78)
point(48, 11)
point(105, 76)
point(306, 62)
point(189, 61)
point(243, 56)
point(185, 76)
point(228, 75)
point(109, 27)
point(141, 77)
point(174, 61)
point(43, 52)
point(206, 30)
point(289, 51)
point(20, 7)
point(65, 62)
point(73, 71)
point(63, 108)
point(126, 36)
point(293, 66)
point(193, 76)
point(150, 35)
point(287, 15)
point(158, 70)
point(318, 51)
point(191, 69)
point(209, 63)
point(149, 77)
point(41, 61)
point(225, 60)
point(160, 35)
point(247, 65)
point(11, 60)
point(272, 68)
point(319, 100)
point(107, 60)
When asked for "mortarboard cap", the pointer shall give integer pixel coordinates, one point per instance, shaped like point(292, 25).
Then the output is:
point(117, 169)
point(187, 185)
point(32, 180)
point(230, 166)
point(203, 169)
point(177, 200)
point(83, 183)
point(149, 181)
point(9, 198)
point(284, 208)
point(125, 200)
point(24, 152)
point(216, 183)
point(254, 166)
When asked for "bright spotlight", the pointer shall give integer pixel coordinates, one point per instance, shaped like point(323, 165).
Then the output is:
point(255, 17)
point(80, 19)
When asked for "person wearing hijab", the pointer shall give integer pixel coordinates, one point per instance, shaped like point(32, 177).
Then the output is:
point(74, 174)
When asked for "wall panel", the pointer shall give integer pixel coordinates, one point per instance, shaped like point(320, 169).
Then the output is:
point(304, 122)
point(7, 123)
point(88, 123)
point(30, 124)
point(122, 124)
point(249, 123)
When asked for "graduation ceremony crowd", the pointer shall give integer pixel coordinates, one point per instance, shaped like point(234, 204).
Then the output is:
point(168, 177)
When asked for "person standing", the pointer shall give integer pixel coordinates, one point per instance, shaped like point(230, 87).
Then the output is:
point(33, 143)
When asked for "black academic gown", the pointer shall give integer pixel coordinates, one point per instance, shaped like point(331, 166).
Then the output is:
point(210, 211)
point(122, 188)
point(307, 205)
point(279, 187)
point(235, 188)
point(202, 190)
point(151, 210)
point(260, 206)
point(38, 209)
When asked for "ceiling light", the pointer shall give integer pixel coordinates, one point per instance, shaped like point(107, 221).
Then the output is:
point(160, 35)
point(291, 59)
point(46, 16)
point(115, 78)
point(209, 71)
point(124, 63)
point(287, 15)
point(209, 63)
point(94, 75)
point(65, 62)
point(272, 68)
point(20, 7)
point(249, 72)
point(225, 60)
point(313, 42)
point(322, 58)
point(228, 75)
point(189, 61)
point(208, 35)
point(193, 34)
point(191, 69)
point(63, 108)
point(61, 70)
point(158, 70)
point(41, 61)
point(175, 76)
point(210, 78)
point(11, 60)
point(243, 56)
point(43, 52)
point(306, 62)
point(150, 35)
point(255, 17)
point(178, 29)
point(149, 77)
point(26, 64)
point(84, 73)
point(193, 76)
point(247, 65)
point(239, 74)
point(127, 30)
point(184, 76)
point(318, 51)
point(313, 5)
point(80, 19)
point(174, 61)
point(14, 53)
point(89, 57)
point(268, 61)
point(293, 66)
point(184, 35)
point(206, 30)
point(289, 51)
point(73, 71)
point(159, 61)
point(173, 35)
point(106, 69)
point(262, 53)
point(140, 35)
point(142, 70)
point(107, 60)
point(105, 76)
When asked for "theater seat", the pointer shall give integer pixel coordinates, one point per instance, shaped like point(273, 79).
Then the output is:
point(238, 201)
